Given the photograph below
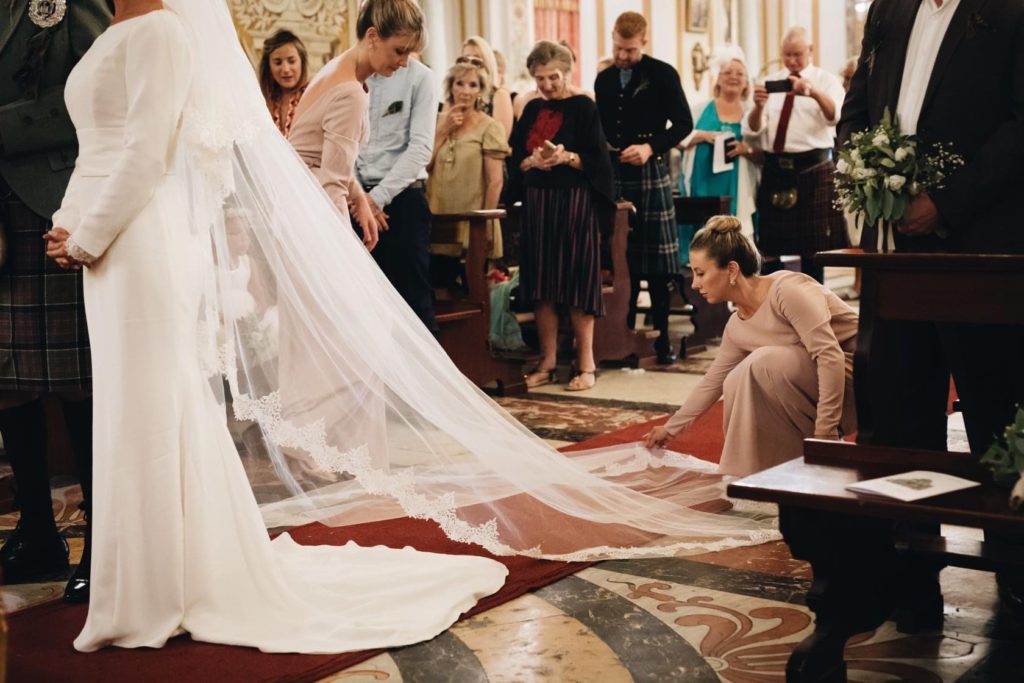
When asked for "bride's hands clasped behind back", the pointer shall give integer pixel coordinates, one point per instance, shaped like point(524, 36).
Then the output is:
point(56, 248)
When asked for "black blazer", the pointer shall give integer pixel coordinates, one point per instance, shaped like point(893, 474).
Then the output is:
point(974, 102)
point(638, 113)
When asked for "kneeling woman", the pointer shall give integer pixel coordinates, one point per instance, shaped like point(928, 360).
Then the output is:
point(785, 365)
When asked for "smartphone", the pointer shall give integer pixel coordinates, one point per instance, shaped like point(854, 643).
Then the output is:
point(785, 85)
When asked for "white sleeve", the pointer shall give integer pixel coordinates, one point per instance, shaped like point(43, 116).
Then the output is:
point(157, 77)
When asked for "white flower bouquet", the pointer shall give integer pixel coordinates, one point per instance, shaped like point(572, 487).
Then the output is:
point(879, 172)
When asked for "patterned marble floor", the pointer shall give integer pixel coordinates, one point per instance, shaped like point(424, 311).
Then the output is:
point(731, 616)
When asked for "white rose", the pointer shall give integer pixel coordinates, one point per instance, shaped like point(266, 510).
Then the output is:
point(842, 166)
point(895, 182)
point(880, 139)
point(855, 155)
point(902, 153)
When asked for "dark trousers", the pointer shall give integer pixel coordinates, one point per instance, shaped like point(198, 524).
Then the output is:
point(403, 252)
point(24, 433)
point(657, 287)
point(908, 384)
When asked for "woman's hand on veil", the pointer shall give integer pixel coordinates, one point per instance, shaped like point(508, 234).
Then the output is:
point(363, 214)
point(657, 437)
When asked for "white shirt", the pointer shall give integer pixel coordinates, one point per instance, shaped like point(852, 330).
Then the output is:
point(925, 40)
point(808, 127)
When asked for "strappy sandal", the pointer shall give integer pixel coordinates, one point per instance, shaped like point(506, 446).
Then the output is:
point(578, 384)
point(538, 377)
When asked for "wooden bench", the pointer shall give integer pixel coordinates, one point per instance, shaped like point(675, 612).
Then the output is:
point(464, 315)
point(870, 557)
point(708, 319)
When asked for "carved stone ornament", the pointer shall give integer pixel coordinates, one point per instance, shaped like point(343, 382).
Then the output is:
point(321, 24)
point(47, 13)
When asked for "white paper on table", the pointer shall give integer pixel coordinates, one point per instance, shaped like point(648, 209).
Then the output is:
point(719, 162)
point(910, 486)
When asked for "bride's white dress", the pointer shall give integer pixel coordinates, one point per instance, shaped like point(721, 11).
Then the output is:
point(178, 541)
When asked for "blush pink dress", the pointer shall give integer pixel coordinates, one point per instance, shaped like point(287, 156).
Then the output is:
point(786, 374)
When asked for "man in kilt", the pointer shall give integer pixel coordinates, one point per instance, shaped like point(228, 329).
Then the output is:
point(44, 345)
point(637, 97)
point(795, 202)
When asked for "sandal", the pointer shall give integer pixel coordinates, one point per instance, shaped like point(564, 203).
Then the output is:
point(577, 383)
point(538, 377)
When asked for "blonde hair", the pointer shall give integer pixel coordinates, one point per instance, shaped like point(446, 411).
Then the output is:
point(545, 52)
point(487, 54)
point(630, 24)
point(461, 68)
point(723, 239)
point(392, 18)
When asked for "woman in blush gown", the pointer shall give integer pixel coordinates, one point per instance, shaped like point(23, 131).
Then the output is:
point(179, 543)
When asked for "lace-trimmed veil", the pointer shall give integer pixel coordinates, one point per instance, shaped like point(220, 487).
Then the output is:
point(352, 411)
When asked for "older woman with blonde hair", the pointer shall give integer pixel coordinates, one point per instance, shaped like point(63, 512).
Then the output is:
point(722, 115)
point(785, 367)
point(467, 167)
point(561, 169)
point(497, 98)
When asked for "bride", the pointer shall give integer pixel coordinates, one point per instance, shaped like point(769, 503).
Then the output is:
point(215, 259)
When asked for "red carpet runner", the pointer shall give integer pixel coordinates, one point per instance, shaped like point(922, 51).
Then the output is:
point(39, 645)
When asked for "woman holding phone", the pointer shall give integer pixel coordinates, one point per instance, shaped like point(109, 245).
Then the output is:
point(561, 172)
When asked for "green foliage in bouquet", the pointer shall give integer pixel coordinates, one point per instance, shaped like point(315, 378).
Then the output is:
point(879, 171)
point(1006, 456)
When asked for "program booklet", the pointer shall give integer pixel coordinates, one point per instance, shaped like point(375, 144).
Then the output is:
point(910, 486)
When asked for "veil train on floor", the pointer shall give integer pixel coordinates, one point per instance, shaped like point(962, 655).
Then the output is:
point(351, 410)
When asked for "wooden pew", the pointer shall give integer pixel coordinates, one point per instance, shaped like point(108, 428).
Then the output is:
point(708, 319)
point(867, 566)
point(464, 316)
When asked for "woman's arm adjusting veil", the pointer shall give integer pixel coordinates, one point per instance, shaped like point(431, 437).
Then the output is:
point(356, 412)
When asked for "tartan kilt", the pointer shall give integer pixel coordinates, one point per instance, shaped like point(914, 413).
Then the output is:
point(653, 247)
point(813, 225)
point(44, 341)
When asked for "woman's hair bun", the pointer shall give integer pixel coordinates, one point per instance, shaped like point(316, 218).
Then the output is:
point(724, 224)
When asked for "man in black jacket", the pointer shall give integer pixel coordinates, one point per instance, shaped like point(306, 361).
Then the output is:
point(953, 73)
point(636, 97)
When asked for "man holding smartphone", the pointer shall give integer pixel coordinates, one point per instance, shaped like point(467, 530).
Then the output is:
point(637, 98)
point(795, 113)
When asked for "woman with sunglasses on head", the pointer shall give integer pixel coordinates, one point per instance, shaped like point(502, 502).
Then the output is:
point(497, 98)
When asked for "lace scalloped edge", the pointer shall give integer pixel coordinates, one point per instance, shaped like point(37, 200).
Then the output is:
point(442, 510)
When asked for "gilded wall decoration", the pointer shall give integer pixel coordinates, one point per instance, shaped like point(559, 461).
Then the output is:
point(323, 25)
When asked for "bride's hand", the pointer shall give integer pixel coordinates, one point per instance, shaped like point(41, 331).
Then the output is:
point(56, 248)
point(364, 216)
point(657, 437)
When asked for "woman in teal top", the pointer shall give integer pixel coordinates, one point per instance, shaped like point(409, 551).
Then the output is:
point(722, 115)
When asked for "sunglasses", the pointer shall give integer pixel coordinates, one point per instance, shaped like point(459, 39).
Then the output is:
point(466, 59)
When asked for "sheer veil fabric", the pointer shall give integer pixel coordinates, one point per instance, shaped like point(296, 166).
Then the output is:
point(354, 413)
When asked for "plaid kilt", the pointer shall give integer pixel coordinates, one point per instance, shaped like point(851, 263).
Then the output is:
point(813, 225)
point(44, 341)
point(653, 247)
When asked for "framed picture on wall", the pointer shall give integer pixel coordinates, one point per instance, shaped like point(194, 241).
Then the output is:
point(697, 16)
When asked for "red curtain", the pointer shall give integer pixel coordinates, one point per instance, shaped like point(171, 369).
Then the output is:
point(559, 20)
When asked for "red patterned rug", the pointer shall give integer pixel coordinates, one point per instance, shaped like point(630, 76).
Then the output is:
point(39, 638)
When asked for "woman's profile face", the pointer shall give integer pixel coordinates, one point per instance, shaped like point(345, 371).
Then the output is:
point(710, 280)
point(466, 89)
point(550, 81)
point(388, 55)
point(286, 66)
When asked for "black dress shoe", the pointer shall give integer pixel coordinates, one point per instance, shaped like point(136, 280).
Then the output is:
point(29, 558)
point(666, 357)
point(77, 590)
